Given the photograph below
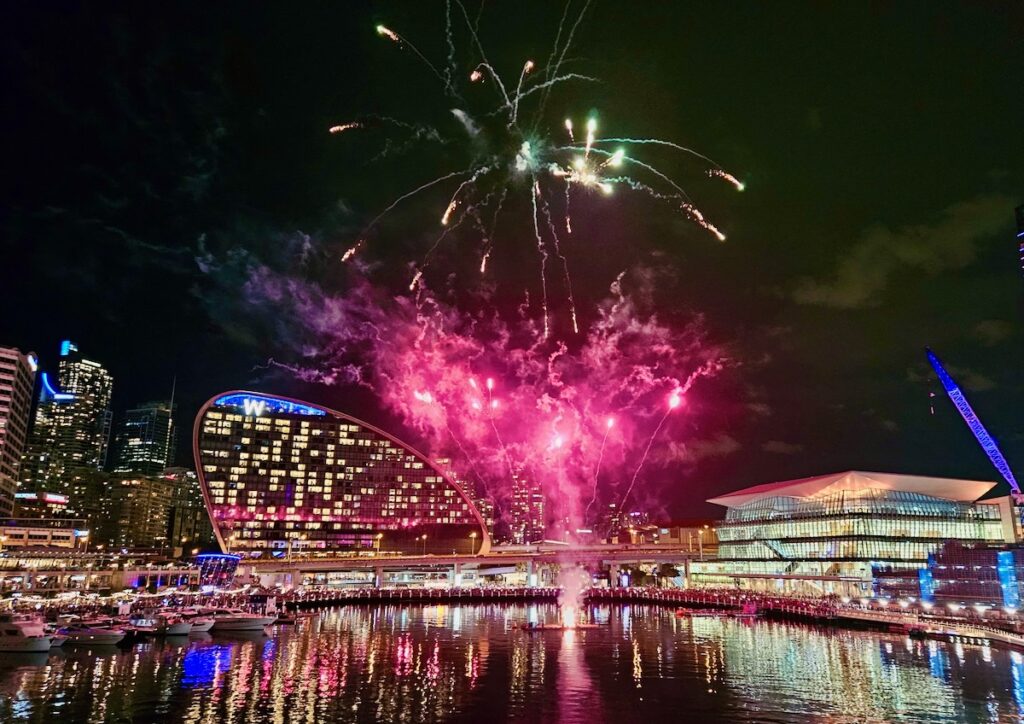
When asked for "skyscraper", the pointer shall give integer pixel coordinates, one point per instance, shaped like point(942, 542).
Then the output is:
point(72, 423)
point(526, 519)
point(17, 381)
point(145, 438)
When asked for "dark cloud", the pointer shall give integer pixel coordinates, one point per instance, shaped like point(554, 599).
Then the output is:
point(881, 254)
point(991, 332)
point(778, 447)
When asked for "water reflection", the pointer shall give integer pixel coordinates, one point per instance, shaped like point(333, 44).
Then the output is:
point(473, 663)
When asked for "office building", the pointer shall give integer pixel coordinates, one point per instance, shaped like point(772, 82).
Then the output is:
point(144, 442)
point(17, 382)
point(139, 513)
point(526, 514)
point(828, 534)
point(189, 525)
point(279, 475)
point(72, 423)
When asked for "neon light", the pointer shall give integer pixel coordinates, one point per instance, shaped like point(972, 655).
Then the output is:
point(58, 396)
point(33, 362)
point(977, 429)
point(226, 556)
point(256, 405)
point(67, 347)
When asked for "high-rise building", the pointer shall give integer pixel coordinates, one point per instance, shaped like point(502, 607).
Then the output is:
point(72, 423)
point(189, 525)
point(17, 381)
point(474, 489)
point(139, 512)
point(145, 439)
point(279, 475)
point(526, 517)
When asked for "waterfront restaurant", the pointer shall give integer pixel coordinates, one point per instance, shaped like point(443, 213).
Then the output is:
point(826, 534)
point(283, 478)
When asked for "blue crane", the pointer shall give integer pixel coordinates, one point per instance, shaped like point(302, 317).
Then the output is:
point(978, 430)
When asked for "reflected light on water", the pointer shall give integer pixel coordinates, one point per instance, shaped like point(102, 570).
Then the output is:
point(474, 663)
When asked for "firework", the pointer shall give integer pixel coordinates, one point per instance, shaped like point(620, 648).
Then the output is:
point(525, 151)
point(344, 127)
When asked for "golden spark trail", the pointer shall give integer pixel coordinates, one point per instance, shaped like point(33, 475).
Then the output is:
point(543, 257)
point(609, 424)
point(344, 127)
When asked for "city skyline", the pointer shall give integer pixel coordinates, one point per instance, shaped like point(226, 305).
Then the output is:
point(823, 294)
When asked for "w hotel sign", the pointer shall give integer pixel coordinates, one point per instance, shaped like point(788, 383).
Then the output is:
point(252, 405)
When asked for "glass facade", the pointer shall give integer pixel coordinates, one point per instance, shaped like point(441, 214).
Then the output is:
point(827, 540)
point(283, 478)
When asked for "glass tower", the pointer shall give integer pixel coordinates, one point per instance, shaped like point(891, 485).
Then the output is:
point(145, 438)
point(72, 423)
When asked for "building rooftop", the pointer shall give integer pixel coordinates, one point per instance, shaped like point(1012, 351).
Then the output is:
point(824, 485)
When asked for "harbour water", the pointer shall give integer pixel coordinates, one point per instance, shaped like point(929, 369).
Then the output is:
point(473, 663)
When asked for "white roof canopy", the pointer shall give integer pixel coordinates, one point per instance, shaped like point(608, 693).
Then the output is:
point(824, 485)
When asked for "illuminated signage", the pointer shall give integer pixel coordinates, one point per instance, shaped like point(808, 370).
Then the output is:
point(66, 347)
point(33, 362)
point(258, 405)
point(58, 396)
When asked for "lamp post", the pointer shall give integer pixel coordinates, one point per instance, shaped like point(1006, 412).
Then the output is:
point(424, 539)
point(377, 542)
point(700, 540)
point(85, 543)
point(472, 543)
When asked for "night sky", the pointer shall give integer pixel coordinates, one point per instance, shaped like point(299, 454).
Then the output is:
point(882, 145)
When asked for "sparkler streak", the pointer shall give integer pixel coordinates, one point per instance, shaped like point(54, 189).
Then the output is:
point(609, 424)
point(565, 264)
point(402, 42)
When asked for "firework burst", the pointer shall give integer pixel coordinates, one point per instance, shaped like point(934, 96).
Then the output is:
point(518, 157)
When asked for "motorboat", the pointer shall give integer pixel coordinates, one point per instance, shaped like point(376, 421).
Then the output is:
point(233, 619)
point(23, 634)
point(89, 634)
point(201, 622)
point(56, 640)
point(161, 624)
point(171, 624)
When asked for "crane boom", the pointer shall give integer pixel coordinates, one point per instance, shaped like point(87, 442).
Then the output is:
point(977, 429)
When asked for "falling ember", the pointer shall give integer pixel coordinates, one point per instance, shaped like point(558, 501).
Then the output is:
point(490, 384)
point(494, 404)
point(448, 212)
point(381, 30)
point(483, 262)
point(528, 67)
point(591, 129)
point(344, 127)
point(694, 213)
point(568, 127)
point(415, 280)
point(352, 252)
point(719, 173)
point(610, 423)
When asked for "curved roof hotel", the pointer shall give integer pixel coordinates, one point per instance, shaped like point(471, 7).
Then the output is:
point(829, 533)
point(279, 475)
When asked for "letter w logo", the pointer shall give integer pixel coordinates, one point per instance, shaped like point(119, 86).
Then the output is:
point(254, 407)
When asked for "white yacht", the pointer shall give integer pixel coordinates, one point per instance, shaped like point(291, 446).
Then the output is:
point(161, 624)
point(201, 622)
point(22, 634)
point(85, 634)
point(233, 619)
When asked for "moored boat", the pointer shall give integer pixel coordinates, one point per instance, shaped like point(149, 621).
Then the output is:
point(87, 634)
point(233, 619)
point(22, 634)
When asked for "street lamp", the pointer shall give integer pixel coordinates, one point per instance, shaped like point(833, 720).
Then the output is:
point(377, 542)
point(472, 543)
point(85, 543)
point(424, 539)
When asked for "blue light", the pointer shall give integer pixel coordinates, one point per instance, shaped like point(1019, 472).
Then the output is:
point(67, 347)
point(1007, 570)
point(228, 556)
point(58, 396)
point(257, 405)
point(978, 430)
